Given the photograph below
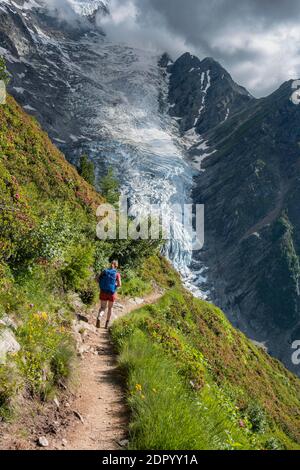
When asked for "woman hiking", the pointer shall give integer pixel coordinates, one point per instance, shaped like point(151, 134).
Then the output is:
point(109, 281)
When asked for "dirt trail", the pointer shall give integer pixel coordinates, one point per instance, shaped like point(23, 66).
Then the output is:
point(100, 413)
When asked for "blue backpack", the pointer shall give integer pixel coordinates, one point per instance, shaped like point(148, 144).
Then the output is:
point(108, 281)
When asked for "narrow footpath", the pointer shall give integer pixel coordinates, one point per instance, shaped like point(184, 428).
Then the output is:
point(100, 413)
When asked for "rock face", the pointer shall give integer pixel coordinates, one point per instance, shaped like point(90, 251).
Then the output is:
point(249, 157)
point(8, 344)
point(250, 188)
point(202, 93)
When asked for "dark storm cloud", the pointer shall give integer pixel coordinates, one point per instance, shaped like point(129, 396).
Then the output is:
point(258, 41)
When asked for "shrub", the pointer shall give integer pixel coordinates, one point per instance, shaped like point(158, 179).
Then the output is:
point(9, 384)
point(77, 269)
point(4, 75)
point(46, 352)
point(134, 285)
point(89, 292)
point(256, 417)
point(273, 444)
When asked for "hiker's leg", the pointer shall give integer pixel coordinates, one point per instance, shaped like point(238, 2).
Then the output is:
point(101, 313)
point(109, 313)
point(102, 309)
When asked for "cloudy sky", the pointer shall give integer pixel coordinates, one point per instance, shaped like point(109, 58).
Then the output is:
point(257, 41)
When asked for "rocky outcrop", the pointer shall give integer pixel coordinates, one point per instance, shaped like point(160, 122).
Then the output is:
point(8, 344)
point(202, 93)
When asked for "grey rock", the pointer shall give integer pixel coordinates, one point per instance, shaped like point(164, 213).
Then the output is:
point(123, 442)
point(7, 321)
point(43, 441)
point(8, 344)
point(55, 400)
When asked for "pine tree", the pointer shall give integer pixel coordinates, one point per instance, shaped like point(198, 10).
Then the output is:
point(110, 187)
point(86, 169)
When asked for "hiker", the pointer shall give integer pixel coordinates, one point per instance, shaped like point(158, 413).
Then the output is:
point(109, 281)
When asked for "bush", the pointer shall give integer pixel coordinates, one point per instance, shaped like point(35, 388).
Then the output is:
point(46, 353)
point(133, 284)
point(257, 418)
point(77, 269)
point(4, 75)
point(9, 384)
point(274, 444)
point(89, 293)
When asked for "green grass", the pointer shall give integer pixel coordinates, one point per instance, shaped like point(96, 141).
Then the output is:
point(165, 413)
point(185, 344)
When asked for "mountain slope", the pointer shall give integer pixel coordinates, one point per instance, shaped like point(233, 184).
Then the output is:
point(250, 189)
point(32, 171)
point(49, 252)
point(194, 382)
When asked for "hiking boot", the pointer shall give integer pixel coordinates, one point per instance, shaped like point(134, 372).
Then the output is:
point(98, 323)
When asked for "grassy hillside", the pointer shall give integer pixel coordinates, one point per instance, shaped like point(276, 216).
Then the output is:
point(194, 382)
point(48, 250)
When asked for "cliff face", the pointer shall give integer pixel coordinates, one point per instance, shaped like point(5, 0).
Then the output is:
point(202, 93)
point(250, 189)
point(247, 151)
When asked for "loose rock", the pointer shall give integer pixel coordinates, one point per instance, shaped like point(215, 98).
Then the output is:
point(8, 344)
point(43, 441)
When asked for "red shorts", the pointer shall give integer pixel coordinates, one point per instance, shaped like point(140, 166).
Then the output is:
point(106, 296)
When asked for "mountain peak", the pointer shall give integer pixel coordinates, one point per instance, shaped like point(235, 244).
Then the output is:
point(202, 93)
point(187, 61)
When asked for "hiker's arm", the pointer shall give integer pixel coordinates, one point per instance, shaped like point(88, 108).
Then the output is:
point(119, 282)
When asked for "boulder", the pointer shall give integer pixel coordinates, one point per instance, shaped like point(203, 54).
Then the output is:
point(8, 344)
point(8, 322)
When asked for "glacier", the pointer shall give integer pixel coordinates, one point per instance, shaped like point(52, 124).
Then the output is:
point(109, 101)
